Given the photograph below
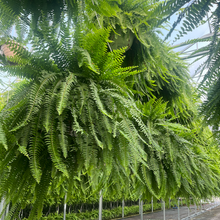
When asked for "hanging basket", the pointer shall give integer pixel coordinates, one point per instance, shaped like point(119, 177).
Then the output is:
point(122, 39)
point(7, 51)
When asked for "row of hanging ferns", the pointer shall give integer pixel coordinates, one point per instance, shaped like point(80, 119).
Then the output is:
point(87, 117)
point(111, 210)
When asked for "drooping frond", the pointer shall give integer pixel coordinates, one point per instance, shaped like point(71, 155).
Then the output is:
point(89, 117)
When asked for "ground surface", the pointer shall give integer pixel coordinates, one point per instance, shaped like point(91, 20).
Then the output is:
point(172, 214)
point(213, 214)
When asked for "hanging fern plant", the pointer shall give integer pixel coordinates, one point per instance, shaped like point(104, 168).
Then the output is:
point(76, 116)
point(85, 119)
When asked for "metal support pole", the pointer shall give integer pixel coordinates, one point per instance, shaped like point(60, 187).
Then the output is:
point(1, 208)
point(64, 210)
point(210, 29)
point(141, 204)
point(100, 205)
point(7, 210)
point(189, 209)
point(164, 215)
point(178, 208)
point(152, 204)
point(123, 206)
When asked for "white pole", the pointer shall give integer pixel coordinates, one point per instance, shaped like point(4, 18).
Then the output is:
point(164, 216)
point(189, 209)
point(139, 206)
point(1, 208)
point(7, 209)
point(142, 216)
point(178, 209)
point(64, 211)
point(152, 204)
point(100, 205)
point(123, 206)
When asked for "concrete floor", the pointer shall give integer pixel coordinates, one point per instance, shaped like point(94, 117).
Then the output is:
point(213, 214)
point(172, 214)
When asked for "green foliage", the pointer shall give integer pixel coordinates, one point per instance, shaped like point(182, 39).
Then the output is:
point(88, 118)
point(111, 213)
point(3, 100)
point(191, 17)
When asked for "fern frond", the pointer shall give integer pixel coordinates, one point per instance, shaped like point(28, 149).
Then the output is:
point(53, 149)
point(64, 94)
point(62, 136)
point(2, 137)
point(35, 150)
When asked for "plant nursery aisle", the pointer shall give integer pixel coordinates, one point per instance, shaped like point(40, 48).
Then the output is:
point(213, 214)
point(184, 213)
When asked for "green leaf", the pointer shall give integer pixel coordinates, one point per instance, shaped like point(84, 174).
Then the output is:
point(3, 140)
point(65, 92)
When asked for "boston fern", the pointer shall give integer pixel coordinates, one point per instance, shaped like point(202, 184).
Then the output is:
point(73, 121)
point(87, 117)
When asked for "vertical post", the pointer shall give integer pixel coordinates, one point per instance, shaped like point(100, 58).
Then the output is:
point(7, 210)
point(210, 29)
point(64, 210)
point(100, 205)
point(141, 209)
point(152, 204)
point(164, 215)
point(123, 206)
point(178, 208)
point(139, 206)
point(169, 203)
point(1, 208)
point(195, 207)
point(189, 209)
